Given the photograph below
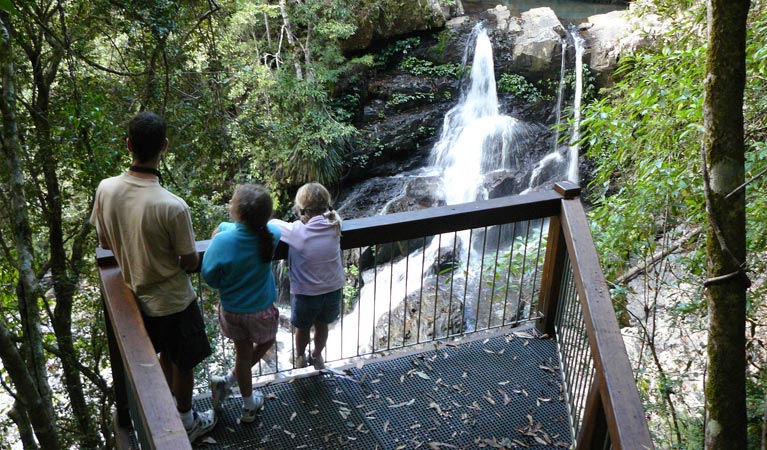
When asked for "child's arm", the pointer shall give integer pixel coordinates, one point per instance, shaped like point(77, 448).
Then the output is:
point(285, 229)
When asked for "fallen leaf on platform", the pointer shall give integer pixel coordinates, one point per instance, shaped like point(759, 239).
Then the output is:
point(271, 396)
point(314, 412)
point(208, 440)
point(407, 403)
point(439, 445)
point(506, 398)
point(386, 427)
point(423, 375)
point(293, 416)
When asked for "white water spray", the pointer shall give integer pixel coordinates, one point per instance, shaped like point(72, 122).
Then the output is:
point(575, 133)
point(476, 138)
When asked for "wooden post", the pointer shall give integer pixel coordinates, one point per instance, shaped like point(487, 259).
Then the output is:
point(554, 265)
point(593, 432)
point(118, 373)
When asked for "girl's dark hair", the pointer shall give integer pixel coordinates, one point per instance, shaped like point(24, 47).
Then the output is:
point(252, 206)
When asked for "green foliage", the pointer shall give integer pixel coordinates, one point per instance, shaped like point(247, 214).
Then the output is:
point(644, 138)
point(399, 98)
point(519, 87)
point(394, 52)
point(423, 68)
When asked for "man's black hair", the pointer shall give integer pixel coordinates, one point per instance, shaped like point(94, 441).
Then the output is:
point(147, 132)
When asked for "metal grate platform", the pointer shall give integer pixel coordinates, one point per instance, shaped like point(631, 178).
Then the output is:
point(500, 392)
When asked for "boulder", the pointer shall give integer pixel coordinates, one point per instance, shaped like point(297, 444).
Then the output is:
point(381, 20)
point(608, 36)
point(538, 46)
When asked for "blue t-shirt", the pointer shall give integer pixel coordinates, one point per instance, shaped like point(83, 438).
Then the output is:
point(232, 264)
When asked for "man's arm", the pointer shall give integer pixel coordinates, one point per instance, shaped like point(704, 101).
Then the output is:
point(190, 262)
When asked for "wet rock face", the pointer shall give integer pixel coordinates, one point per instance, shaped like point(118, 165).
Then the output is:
point(380, 20)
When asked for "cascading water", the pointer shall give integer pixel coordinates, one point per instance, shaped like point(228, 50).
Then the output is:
point(556, 158)
point(476, 139)
point(575, 133)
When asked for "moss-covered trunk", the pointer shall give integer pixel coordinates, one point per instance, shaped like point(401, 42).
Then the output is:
point(726, 246)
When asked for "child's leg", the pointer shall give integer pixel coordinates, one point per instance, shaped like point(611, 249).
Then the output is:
point(242, 364)
point(303, 335)
point(320, 337)
point(260, 350)
point(183, 383)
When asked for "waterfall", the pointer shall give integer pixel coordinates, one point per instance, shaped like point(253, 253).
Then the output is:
point(475, 137)
point(554, 160)
point(575, 133)
point(560, 95)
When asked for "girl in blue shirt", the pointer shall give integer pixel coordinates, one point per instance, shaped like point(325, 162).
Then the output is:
point(238, 263)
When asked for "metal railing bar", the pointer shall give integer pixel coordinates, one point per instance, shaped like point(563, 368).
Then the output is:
point(508, 271)
point(495, 275)
point(391, 288)
point(536, 282)
point(420, 293)
point(375, 296)
point(453, 269)
point(407, 271)
point(481, 277)
point(522, 273)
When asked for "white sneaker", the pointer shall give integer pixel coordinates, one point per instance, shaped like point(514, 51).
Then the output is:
point(318, 362)
point(202, 425)
point(299, 362)
point(249, 415)
point(220, 392)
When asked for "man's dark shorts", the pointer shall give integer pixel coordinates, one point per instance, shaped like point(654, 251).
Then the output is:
point(181, 336)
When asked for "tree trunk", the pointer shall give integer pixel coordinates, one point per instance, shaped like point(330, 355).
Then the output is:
point(29, 379)
point(724, 170)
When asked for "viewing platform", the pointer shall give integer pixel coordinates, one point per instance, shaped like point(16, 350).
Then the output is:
point(480, 325)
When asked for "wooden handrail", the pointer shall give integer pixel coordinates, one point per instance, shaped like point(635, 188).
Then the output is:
point(159, 419)
point(617, 389)
point(425, 222)
point(614, 398)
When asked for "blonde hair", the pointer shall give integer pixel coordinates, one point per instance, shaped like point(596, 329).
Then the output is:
point(313, 199)
point(252, 206)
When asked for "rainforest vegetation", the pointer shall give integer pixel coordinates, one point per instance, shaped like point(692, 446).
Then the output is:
point(263, 91)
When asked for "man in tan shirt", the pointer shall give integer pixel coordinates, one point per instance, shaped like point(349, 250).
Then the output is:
point(149, 230)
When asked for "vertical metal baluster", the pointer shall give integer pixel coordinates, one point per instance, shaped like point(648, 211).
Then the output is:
point(407, 275)
point(436, 291)
point(517, 317)
point(391, 287)
point(466, 271)
point(452, 280)
point(359, 308)
point(343, 305)
point(206, 366)
point(508, 270)
point(375, 298)
point(538, 265)
point(495, 275)
point(420, 294)
point(480, 279)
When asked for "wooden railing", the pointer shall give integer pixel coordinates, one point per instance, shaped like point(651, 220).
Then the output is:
point(553, 281)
